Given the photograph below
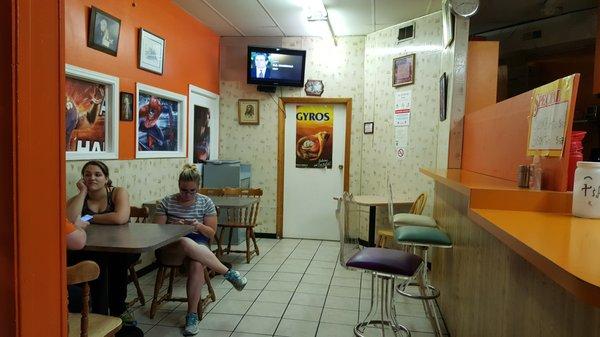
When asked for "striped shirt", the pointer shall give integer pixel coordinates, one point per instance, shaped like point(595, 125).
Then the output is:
point(174, 211)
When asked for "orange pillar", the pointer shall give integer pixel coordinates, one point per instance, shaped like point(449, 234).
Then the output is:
point(32, 166)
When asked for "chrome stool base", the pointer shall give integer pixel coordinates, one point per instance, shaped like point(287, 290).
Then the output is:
point(434, 292)
point(382, 296)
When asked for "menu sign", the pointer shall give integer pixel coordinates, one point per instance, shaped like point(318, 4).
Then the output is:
point(549, 117)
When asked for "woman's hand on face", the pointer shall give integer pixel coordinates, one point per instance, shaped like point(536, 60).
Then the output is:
point(81, 186)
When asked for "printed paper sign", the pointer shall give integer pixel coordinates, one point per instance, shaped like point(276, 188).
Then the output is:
point(314, 136)
point(549, 117)
point(402, 106)
point(401, 152)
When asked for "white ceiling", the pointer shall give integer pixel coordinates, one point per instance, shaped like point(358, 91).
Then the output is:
point(359, 17)
point(286, 18)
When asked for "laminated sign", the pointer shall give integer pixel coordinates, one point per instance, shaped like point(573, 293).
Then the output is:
point(314, 136)
point(550, 113)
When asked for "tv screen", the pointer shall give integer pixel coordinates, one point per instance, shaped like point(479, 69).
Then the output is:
point(276, 66)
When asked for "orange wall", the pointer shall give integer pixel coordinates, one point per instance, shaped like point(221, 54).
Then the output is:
point(495, 142)
point(191, 52)
point(482, 74)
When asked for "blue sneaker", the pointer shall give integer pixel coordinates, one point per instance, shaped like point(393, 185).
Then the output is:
point(236, 279)
point(192, 324)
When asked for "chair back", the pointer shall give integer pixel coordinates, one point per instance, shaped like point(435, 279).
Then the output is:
point(348, 215)
point(138, 214)
point(215, 192)
point(83, 272)
point(243, 217)
point(232, 192)
point(419, 204)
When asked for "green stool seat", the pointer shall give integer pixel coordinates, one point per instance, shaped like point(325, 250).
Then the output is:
point(407, 219)
point(419, 235)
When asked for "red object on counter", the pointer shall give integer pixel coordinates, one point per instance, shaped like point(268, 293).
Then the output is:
point(575, 155)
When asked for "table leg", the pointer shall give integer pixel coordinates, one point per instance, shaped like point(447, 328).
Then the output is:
point(372, 213)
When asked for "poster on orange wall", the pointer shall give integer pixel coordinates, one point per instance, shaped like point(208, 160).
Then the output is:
point(314, 136)
point(549, 117)
point(85, 115)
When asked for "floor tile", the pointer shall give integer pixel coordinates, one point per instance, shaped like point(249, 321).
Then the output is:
point(345, 303)
point(319, 271)
point(339, 316)
point(281, 285)
point(244, 334)
point(296, 328)
point(345, 282)
point(259, 275)
point(235, 307)
point(311, 288)
point(145, 327)
point(316, 279)
point(336, 330)
point(220, 322)
point(256, 284)
point(258, 325)
point(275, 296)
point(308, 299)
point(341, 291)
point(303, 312)
point(267, 309)
point(323, 264)
point(265, 267)
point(289, 277)
point(142, 315)
point(293, 268)
point(244, 295)
point(175, 319)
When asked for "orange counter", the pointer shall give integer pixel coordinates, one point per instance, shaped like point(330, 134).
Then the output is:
point(536, 225)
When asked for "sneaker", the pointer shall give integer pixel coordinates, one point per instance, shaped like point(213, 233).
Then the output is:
point(128, 318)
point(191, 324)
point(236, 279)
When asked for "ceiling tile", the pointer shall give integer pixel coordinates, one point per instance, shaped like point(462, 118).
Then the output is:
point(207, 16)
point(247, 15)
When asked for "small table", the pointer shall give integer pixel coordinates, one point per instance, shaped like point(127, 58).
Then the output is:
point(133, 237)
point(373, 201)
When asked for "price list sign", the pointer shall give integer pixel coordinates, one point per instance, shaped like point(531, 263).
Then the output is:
point(549, 117)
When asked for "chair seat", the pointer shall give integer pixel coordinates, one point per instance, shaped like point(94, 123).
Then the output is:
point(388, 261)
point(407, 219)
point(429, 236)
point(98, 325)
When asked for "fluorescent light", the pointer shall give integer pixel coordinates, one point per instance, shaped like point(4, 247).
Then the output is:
point(314, 10)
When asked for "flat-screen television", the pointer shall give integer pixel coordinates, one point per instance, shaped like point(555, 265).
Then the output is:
point(276, 66)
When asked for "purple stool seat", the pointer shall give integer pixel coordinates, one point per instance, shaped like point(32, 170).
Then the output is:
point(389, 261)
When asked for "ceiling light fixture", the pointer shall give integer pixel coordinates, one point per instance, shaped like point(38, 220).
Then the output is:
point(315, 12)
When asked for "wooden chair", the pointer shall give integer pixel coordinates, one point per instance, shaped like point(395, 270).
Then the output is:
point(137, 214)
point(171, 266)
point(244, 218)
point(385, 234)
point(85, 324)
point(215, 192)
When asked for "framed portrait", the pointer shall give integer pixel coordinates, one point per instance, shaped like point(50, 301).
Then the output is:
point(160, 123)
point(403, 70)
point(203, 125)
point(151, 52)
point(103, 33)
point(126, 106)
point(248, 111)
point(368, 128)
point(443, 96)
point(91, 114)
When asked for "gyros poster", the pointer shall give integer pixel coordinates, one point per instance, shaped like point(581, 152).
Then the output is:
point(314, 136)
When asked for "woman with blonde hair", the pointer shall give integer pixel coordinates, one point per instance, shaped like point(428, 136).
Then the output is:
point(197, 210)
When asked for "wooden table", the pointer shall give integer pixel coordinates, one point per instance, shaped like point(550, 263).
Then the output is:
point(133, 237)
point(373, 201)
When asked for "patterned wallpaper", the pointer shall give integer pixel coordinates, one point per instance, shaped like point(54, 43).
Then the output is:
point(145, 179)
point(378, 151)
point(340, 68)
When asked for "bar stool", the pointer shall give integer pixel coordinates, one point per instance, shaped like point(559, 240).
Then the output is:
point(385, 266)
point(424, 238)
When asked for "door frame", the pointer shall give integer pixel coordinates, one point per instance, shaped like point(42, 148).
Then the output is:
point(281, 146)
point(211, 96)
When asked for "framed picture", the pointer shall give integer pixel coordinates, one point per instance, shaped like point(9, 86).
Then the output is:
point(103, 33)
point(151, 52)
point(248, 111)
point(126, 106)
point(91, 120)
point(203, 125)
point(443, 96)
point(160, 123)
point(403, 71)
point(368, 128)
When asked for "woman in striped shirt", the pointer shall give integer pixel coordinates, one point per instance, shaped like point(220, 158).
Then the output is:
point(189, 207)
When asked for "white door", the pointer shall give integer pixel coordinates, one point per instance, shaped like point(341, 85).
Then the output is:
point(203, 121)
point(308, 204)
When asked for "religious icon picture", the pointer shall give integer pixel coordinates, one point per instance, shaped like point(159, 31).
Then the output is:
point(248, 111)
point(126, 106)
point(403, 71)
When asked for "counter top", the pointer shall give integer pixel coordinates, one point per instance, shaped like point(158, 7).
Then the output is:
point(537, 225)
point(563, 247)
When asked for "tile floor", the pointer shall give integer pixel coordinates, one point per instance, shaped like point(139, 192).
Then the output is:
point(296, 288)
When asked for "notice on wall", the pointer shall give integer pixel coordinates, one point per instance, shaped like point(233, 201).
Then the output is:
point(314, 136)
point(549, 117)
point(402, 106)
point(401, 141)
